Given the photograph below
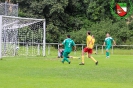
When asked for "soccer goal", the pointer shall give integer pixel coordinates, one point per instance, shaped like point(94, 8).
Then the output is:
point(21, 36)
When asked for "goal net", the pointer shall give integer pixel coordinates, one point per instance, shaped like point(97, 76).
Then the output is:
point(22, 36)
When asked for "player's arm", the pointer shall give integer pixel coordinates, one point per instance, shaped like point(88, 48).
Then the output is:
point(88, 41)
point(62, 43)
point(104, 44)
point(74, 48)
point(114, 42)
point(93, 41)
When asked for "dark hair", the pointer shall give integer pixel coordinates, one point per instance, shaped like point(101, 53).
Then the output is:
point(68, 36)
point(89, 32)
point(60, 46)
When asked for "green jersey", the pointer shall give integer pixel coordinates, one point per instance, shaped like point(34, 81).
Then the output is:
point(108, 41)
point(68, 44)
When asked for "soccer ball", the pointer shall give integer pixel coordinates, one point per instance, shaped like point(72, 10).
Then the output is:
point(17, 48)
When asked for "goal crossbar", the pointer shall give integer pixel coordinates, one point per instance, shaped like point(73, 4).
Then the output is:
point(13, 17)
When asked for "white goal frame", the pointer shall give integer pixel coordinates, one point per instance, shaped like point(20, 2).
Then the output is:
point(0, 37)
point(44, 31)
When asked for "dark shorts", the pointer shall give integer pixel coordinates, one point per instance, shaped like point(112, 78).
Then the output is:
point(88, 50)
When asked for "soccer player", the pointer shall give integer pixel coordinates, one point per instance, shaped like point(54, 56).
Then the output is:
point(108, 43)
point(68, 45)
point(90, 44)
point(60, 52)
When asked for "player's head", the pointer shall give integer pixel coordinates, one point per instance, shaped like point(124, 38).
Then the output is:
point(68, 36)
point(107, 35)
point(88, 33)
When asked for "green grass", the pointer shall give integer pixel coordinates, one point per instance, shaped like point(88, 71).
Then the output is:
point(49, 72)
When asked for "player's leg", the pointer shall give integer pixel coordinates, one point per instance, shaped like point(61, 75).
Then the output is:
point(65, 57)
point(83, 52)
point(62, 53)
point(63, 60)
point(107, 51)
point(83, 57)
point(73, 57)
point(58, 54)
point(89, 55)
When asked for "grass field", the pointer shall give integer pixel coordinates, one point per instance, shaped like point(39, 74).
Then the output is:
point(49, 72)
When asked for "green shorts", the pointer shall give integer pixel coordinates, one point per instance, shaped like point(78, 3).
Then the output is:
point(65, 54)
point(108, 47)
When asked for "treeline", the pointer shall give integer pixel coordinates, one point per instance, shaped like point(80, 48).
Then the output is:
point(75, 17)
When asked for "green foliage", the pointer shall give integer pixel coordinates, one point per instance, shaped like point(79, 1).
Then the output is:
point(79, 36)
point(98, 10)
point(76, 17)
point(118, 30)
point(53, 33)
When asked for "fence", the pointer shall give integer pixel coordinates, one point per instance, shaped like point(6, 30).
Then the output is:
point(35, 49)
point(98, 49)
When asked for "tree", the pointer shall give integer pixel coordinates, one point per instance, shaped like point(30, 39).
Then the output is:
point(76, 17)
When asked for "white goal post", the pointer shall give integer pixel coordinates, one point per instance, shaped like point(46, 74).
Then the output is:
point(0, 36)
point(20, 33)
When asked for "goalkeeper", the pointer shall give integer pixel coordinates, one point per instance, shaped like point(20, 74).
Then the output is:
point(60, 52)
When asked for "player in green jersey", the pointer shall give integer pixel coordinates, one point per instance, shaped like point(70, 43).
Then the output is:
point(68, 44)
point(108, 43)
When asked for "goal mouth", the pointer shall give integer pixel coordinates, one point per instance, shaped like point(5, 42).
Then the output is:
point(15, 30)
